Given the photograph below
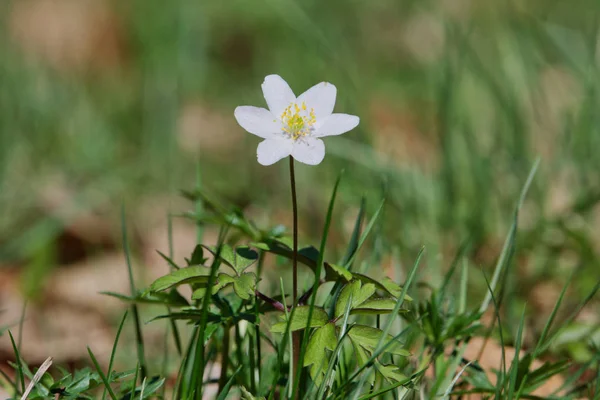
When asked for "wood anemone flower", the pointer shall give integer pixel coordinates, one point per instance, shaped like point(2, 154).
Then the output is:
point(294, 125)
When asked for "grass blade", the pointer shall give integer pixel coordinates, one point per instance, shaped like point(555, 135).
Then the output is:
point(136, 317)
point(514, 368)
point(114, 350)
point(102, 376)
point(20, 380)
point(464, 278)
point(225, 391)
point(365, 234)
point(200, 366)
point(135, 378)
point(353, 245)
point(172, 322)
point(503, 260)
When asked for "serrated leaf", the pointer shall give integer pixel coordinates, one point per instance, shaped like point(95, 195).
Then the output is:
point(323, 339)
point(283, 249)
point(300, 319)
point(386, 284)
point(478, 378)
point(245, 285)
point(239, 258)
point(198, 256)
point(244, 258)
point(226, 254)
point(333, 272)
point(197, 274)
point(359, 294)
point(368, 337)
point(221, 281)
point(377, 306)
point(390, 372)
point(362, 357)
point(81, 383)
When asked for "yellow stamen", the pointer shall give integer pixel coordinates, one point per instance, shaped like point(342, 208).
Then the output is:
point(295, 124)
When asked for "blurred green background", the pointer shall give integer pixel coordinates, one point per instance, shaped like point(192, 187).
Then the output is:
point(104, 103)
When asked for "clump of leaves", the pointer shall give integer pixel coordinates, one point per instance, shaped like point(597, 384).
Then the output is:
point(224, 293)
point(349, 348)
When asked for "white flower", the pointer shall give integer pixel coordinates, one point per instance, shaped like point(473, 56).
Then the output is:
point(293, 125)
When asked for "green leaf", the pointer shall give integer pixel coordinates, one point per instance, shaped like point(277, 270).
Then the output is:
point(191, 315)
point(300, 319)
point(368, 338)
point(386, 284)
point(543, 373)
point(222, 281)
point(246, 395)
point(168, 260)
point(208, 332)
point(377, 306)
point(171, 298)
point(198, 256)
point(239, 259)
point(226, 255)
point(245, 285)
point(390, 372)
point(286, 241)
point(323, 339)
point(359, 294)
point(244, 257)
point(309, 252)
point(478, 378)
point(362, 358)
point(197, 274)
point(333, 272)
point(281, 248)
point(224, 392)
point(151, 388)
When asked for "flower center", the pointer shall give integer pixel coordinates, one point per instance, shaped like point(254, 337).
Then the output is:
point(297, 120)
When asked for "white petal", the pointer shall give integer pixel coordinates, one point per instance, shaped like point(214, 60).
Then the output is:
point(336, 124)
point(309, 151)
point(321, 97)
point(277, 94)
point(272, 150)
point(258, 121)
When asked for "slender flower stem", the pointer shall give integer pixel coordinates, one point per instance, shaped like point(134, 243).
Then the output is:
point(296, 335)
point(295, 227)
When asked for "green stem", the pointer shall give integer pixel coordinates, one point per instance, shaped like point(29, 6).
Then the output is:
point(224, 357)
point(296, 335)
point(261, 260)
point(295, 227)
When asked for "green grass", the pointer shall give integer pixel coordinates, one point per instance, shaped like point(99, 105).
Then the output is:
point(354, 346)
point(509, 84)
